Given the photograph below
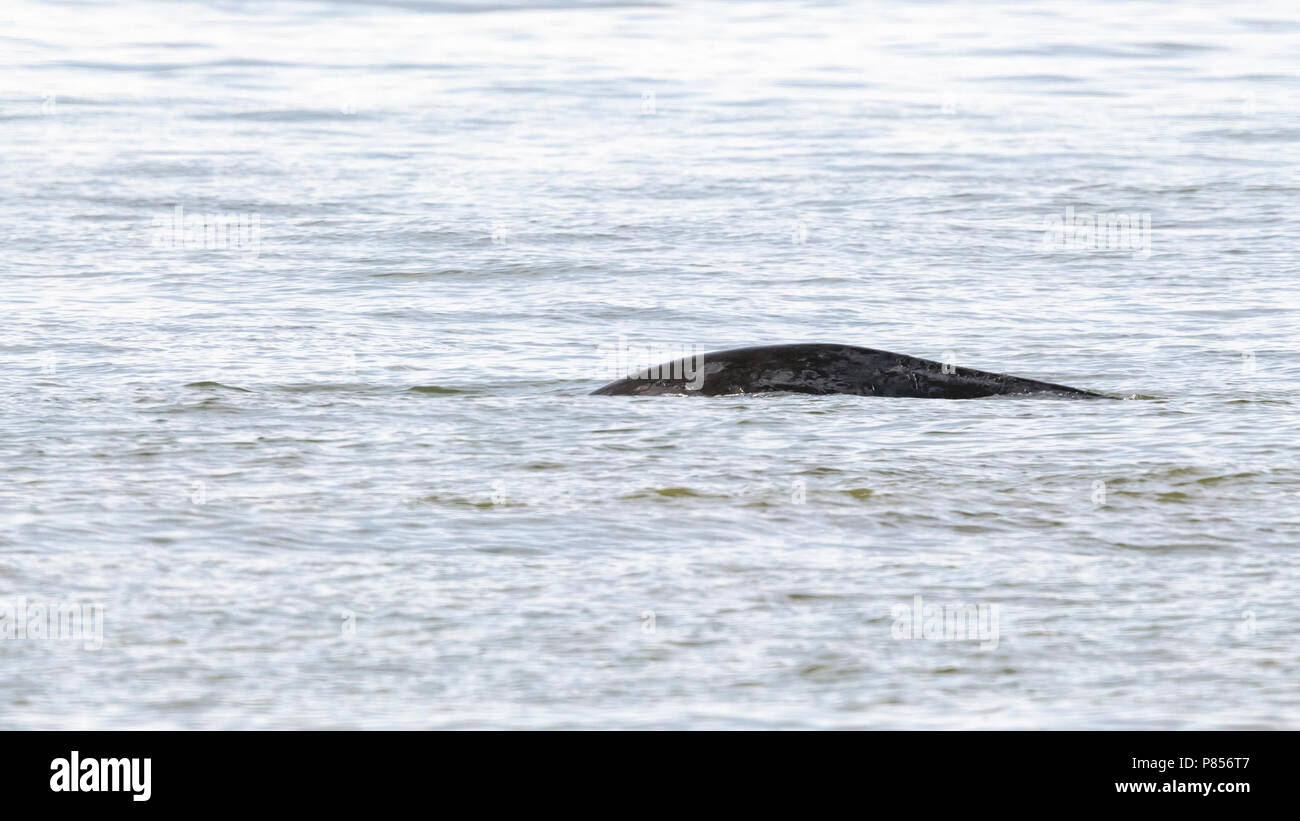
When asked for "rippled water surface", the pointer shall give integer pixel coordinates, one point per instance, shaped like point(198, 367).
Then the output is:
point(341, 468)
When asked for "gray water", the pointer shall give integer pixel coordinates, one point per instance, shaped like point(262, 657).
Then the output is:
point(339, 468)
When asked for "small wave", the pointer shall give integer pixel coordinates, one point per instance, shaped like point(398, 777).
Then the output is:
point(422, 274)
point(443, 7)
point(297, 115)
point(217, 386)
point(669, 492)
point(461, 501)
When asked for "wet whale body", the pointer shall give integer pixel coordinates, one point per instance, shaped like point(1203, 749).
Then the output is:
point(825, 369)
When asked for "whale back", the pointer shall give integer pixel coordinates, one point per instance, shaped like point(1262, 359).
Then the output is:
point(824, 369)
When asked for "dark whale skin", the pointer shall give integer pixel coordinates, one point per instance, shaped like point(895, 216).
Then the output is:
point(825, 369)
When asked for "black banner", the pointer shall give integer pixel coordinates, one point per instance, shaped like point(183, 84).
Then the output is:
point(143, 771)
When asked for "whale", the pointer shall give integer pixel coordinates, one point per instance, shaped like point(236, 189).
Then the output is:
point(817, 368)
